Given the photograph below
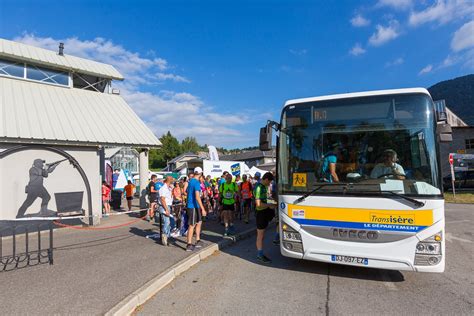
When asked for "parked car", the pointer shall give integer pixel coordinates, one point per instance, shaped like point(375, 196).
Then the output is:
point(462, 180)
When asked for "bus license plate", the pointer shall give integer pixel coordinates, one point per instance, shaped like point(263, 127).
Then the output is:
point(350, 260)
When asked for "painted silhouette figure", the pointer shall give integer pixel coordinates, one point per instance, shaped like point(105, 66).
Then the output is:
point(35, 188)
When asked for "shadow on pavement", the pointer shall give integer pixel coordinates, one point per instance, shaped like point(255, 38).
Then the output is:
point(247, 251)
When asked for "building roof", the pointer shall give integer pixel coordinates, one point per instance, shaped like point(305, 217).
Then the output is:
point(178, 158)
point(249, 155)
point(358, 94)
point(37, 112)
point(41, 56)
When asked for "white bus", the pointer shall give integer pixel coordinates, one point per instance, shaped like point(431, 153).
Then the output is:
point(382, 207)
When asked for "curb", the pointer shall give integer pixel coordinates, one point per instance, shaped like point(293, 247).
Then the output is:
point(128, 305)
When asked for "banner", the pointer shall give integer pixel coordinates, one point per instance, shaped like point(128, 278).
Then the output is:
point(216, 168)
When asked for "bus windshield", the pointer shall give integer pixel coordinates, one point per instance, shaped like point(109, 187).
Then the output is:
point(375, 144)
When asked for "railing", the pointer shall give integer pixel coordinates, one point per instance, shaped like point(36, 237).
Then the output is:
point(25, 245)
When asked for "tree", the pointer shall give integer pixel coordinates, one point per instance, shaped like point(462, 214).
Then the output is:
point(170, 148)
point(190, 144)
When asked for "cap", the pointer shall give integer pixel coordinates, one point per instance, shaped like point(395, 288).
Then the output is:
point(197, 170)
point(258, 174)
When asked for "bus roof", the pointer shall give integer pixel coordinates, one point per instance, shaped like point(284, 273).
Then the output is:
point(358, 94)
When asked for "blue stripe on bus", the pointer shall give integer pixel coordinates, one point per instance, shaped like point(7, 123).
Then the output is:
point(389, 227)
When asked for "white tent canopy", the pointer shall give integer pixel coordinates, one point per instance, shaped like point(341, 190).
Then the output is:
point(254, 170)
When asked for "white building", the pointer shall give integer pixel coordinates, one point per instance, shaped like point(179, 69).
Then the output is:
point(59, 108)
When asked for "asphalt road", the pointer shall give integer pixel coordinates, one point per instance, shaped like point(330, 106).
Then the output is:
point(232, 282)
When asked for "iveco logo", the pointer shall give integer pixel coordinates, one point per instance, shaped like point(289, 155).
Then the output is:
point(354, 234)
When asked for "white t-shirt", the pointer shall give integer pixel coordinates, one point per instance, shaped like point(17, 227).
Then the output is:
point(381, 169)
point(165, 192)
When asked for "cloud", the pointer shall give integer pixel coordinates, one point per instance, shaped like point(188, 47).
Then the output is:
point(133, 67)
point(442, 12)
point(172, 77)
point(299, 52)
point(182, 113)
point(395, 62)
point(395, 4)
point(426, 70)
point(464, 37)
point(462, 47)
point(359, 21)
point(384, 34)
point(185, 115)
point(357, 50)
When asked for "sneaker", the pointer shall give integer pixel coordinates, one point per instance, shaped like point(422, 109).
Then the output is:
point(264, 259)
point(164, 239)
point(226, 233)
point(190, 247)
point(199, 244)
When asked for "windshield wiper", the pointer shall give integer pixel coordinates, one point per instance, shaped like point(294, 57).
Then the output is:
point(319, 186)
point(417, 203)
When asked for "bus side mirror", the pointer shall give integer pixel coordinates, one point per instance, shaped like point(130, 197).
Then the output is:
point(265, 138)
point(445, 133)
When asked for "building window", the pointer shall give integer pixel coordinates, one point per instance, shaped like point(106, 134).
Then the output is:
point(11, 68)
point(47, 75)
point(470, 143)
point(88, 82)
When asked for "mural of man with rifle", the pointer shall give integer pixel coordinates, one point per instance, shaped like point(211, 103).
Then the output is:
point(35, 188)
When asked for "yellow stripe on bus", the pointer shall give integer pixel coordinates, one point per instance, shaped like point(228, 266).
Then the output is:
point(375, 216)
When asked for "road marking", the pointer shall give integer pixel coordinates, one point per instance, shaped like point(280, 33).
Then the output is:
point(450, 237)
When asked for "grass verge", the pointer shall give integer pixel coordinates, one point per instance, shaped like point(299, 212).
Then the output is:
point(460, 198)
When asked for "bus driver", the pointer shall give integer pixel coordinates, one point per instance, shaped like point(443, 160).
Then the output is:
point(389, 167)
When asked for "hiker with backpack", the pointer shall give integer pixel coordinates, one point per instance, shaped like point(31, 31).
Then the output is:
point(246, 195)
point(227, 191)
point(328, 165)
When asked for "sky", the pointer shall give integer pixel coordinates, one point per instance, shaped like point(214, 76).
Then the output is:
point(218, 70)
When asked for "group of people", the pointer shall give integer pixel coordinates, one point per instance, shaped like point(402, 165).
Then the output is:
point(183, 205)
point(128, 191)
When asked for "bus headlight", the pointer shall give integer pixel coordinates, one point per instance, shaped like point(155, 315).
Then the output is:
point(291, 239)
point(432, 248)
point(428, 251)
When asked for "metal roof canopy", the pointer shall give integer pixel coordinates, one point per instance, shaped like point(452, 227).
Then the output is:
point(45, 57)
point(33, 112)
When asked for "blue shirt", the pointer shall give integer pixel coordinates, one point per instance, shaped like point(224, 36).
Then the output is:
point(328, 159)
point(193, 187)
point(158, 186)
point(115, 177)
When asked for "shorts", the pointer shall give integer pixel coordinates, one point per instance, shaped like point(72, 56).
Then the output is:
point(194, 216)
point(153, 197)
point(105, 201)
point(264, 217)
point(247, 202)
point(129, 198)
point(228, 207)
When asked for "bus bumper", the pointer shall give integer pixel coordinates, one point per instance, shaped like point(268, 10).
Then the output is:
point(367, 255)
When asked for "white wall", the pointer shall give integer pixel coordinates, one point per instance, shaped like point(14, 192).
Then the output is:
point(14, 176)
